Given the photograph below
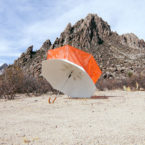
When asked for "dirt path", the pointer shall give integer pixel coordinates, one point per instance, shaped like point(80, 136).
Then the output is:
point(112, 118)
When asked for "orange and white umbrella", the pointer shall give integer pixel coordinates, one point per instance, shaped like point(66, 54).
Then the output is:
point(71, 71)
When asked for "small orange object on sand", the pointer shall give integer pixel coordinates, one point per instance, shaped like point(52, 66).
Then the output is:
point(49, 100)
point(54, 100)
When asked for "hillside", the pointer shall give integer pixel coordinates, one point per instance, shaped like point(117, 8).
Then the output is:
point(117, 55)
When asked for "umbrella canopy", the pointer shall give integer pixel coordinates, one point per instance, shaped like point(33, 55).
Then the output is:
point(71, 71)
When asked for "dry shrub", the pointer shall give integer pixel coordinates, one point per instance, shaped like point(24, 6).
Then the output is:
point(36, 86)
point(134, 82)
point(108, 84)
point(15, 81)
point(10, 82)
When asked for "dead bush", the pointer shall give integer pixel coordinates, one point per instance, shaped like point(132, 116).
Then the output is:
point(135, 82)
point(15, 81)
point(36, 86)
point(108, 84)
point(11, 81)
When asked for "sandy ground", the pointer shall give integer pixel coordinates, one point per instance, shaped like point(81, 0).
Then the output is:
point(111, 118)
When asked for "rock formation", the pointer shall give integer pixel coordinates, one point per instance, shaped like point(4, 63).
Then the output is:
point(117, 55)
point(30, 61)
point(3, 67)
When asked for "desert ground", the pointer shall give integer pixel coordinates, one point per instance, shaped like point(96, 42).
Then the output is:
point(109, 118)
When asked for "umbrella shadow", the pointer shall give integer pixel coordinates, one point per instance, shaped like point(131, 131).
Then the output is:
point(93, 97)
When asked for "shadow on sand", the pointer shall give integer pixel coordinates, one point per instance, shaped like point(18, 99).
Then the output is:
point(94, 97)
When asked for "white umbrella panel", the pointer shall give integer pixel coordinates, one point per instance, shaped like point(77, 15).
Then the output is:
point(68, 78)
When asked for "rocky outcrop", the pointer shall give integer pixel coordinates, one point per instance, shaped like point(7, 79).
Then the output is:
point(87, 32)
point(46, 45)
point(116, 55)
point(132, 40)
point(30, 61)
point(3, 67)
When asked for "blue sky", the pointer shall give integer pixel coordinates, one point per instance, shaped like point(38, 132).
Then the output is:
point(31, 22)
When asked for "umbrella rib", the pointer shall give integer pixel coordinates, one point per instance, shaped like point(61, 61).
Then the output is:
point(69, 76)
point(67, 79)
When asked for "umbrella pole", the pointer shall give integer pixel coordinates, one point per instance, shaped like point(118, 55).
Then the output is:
point(69, 76)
